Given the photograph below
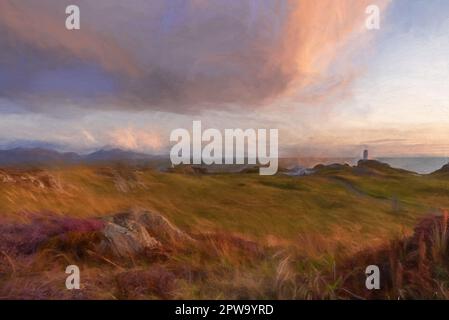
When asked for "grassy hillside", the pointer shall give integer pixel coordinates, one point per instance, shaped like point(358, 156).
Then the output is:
point(374, 204)
point(322, 218)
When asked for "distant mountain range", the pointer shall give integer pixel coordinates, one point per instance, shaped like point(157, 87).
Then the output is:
point(38, 156)
point(47, 156)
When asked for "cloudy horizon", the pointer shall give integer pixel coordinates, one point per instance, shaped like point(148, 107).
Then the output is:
point(311, 69)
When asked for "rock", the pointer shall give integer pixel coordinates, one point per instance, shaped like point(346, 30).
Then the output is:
point(123, 235)
point(124, 179)
point(159, 227)
point(5, 177)
point(299, 171)
point(130, 233)
point(128, 239)
point(31, 178)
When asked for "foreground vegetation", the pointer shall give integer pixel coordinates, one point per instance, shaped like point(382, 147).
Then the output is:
point(279, 237)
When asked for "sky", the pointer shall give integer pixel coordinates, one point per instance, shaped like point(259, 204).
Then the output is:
point(137, 70)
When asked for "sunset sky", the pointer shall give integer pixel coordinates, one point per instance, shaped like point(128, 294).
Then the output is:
point(138, 69)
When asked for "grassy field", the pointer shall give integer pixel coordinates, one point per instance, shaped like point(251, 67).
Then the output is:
point(257, 236)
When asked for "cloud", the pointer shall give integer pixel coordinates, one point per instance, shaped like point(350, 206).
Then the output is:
point(183, 56)
point(31, 24)
point(88, 137)
point(135, 139)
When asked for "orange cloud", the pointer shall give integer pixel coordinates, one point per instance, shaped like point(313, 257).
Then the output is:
point(134, 139)
point(316, 33)
point(206, 54)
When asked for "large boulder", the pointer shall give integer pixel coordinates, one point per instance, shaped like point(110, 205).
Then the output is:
point(124, 235)
point(130, 233)
point(127, 240)
point(159, 227)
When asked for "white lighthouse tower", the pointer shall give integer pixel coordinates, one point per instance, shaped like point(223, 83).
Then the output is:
point(365, 154)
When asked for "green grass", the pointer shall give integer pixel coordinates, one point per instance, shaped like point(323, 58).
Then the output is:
point(365, 206)
point(305, 225)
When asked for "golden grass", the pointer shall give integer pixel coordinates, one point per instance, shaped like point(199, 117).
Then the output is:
point(259, 237)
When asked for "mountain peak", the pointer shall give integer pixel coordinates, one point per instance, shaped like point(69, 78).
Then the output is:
point(39, 156)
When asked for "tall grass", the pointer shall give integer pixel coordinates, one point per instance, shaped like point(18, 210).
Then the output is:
point(440, 238)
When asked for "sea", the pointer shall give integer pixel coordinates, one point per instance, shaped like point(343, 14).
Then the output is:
point(421, 165)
